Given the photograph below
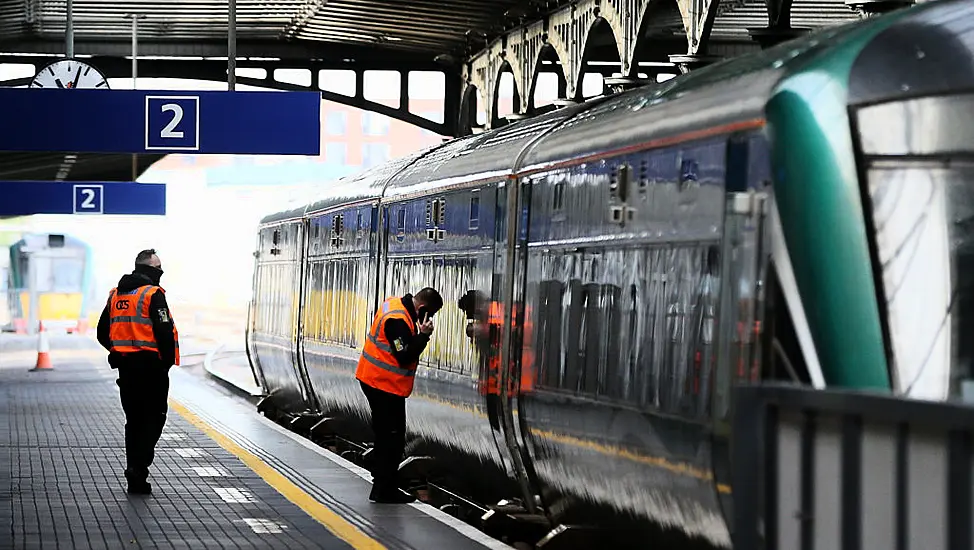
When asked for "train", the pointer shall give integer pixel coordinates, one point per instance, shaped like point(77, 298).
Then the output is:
point(62, 269)
point(799, 215)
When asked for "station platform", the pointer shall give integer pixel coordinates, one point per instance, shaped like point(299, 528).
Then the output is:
point(223, 477)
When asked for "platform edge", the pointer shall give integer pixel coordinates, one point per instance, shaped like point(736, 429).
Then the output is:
point(321, 513)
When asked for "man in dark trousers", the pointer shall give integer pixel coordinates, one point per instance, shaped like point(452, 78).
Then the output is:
point(399, 333)
point(138, 331)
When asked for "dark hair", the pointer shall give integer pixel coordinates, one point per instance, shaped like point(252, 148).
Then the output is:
point(431, 298)
point(143, 257)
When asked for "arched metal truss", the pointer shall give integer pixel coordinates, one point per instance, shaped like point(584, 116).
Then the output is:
point(216, 71)
point(643, 30)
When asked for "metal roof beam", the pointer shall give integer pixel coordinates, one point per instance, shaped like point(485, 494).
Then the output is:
point(245, 48)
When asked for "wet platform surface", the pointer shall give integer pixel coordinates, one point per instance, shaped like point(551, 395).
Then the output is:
point(223, 476)
point(62, 441)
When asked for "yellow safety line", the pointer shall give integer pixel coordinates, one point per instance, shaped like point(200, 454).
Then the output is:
point(339, 526)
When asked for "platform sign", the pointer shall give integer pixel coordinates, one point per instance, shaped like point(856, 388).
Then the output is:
point(139, 121)
point(89, 198)
point(24, 198)
point(172, 123)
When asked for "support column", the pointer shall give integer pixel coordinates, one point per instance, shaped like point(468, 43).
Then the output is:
point(32, 315)
point(698, 21)
point(69, 32)
point(689, 62)
point(135, 77)
point(779, 27)
point(232, 45)
point(872, 8)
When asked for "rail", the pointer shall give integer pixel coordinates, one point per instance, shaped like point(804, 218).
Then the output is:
point(843, 470)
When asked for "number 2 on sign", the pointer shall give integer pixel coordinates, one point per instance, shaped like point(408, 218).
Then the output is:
point(89, 201)
point(177, 116)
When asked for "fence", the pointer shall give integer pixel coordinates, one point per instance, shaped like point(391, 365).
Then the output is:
point(837, 470)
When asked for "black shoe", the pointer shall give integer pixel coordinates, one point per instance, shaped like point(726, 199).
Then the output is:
point(137, 483)
point(394, 496)
point(139, 488)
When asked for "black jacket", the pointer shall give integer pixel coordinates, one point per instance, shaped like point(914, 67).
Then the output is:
point(162, 325)
point(406, 345)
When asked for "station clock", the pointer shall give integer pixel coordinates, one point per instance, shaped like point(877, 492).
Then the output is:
point(69, 74)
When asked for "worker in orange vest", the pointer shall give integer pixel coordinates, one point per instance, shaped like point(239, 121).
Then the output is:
point(137, 329)
point(386, 370)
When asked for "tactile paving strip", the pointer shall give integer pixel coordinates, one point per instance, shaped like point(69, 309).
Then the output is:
point(61, 482)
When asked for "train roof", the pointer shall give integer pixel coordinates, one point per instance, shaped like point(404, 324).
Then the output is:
point(716, 97)
point(490, 155)
point(364, 186)
point(719, 97)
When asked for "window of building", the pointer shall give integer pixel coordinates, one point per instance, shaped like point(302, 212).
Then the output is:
point(336, 153)
point(435, 117)
point(375, 124)
point(374, 154)
point(336, 123)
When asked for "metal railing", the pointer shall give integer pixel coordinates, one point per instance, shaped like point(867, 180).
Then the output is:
point(842, 470)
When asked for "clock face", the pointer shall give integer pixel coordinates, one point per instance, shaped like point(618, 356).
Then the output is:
point(69, 74)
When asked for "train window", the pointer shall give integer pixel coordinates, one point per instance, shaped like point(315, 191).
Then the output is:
point(342, 295)
point(629, 325)
point(276, 237)
point(449, 349)
point(401, 221)
point(474, 211)
point(436, 213)
point(313, 316)
point(338, 230)
point(558, 196)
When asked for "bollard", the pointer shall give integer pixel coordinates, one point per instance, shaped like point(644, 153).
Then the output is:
point(43, 350)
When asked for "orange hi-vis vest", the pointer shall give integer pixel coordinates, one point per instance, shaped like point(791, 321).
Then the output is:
point(130, 327)
point(378, 366)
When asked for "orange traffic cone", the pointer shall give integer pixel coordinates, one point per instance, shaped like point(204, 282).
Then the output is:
point(43, 350)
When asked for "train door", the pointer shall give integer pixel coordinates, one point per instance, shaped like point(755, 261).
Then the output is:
point(744, 260)
point(252, 358)
point(378, 243)
point(302, 273)
point(507, 297)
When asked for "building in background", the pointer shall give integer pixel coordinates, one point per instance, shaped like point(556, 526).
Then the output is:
point(352, 140)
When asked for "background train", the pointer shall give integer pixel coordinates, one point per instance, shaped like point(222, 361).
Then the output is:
point(63, 275)
point(799, 214)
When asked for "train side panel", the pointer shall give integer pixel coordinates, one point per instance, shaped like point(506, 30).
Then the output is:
point(621, 290)
point(275, 314)
point(342, 276)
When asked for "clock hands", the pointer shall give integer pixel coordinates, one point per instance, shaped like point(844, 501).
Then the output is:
point(77, 77)
point(58, 82)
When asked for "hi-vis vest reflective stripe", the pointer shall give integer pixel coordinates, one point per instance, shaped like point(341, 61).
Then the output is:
point(378, 366)
point(130, 327)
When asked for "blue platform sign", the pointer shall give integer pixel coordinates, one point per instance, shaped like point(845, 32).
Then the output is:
point(24, 198)
point(139, 121)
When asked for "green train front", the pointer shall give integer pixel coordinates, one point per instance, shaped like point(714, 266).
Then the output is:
point(874, 188)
